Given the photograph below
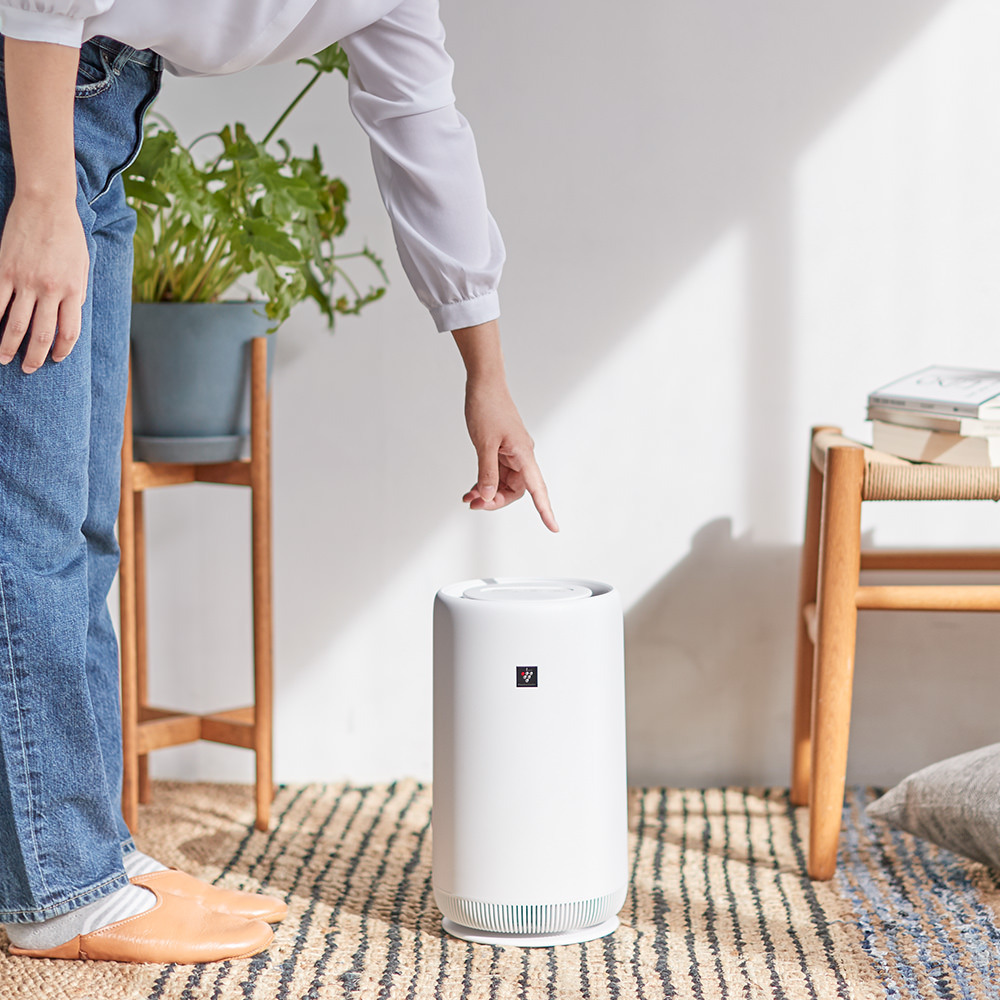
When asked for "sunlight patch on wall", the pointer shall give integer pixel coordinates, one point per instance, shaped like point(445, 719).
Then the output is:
point(893, 206)
point(645, 450)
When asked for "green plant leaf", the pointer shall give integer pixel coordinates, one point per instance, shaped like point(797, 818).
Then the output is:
point(139, 190)
point(333, 57)
point(265, 237)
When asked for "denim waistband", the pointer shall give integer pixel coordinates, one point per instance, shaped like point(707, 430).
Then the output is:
point(121, 53)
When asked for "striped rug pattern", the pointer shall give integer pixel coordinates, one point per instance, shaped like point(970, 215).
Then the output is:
point(719, 908)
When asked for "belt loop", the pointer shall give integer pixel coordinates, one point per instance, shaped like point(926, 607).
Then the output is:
point(123, 57)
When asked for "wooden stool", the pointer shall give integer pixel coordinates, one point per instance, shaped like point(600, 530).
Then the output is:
point(843, 474)
point(145, 728)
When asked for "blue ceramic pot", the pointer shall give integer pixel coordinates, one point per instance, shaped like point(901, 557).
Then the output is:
point(191, 379)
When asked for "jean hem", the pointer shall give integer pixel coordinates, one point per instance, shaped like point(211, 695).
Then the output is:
point(89, 895)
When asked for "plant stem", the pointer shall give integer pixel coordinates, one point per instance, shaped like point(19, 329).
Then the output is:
point(202, 265)
point(354, 288)
point(284, 114)
point(198, 283)
point(204, 135)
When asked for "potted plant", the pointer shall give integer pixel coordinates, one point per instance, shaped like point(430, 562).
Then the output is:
point(253, 210)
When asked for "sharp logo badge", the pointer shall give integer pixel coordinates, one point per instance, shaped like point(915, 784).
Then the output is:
point(527, 677)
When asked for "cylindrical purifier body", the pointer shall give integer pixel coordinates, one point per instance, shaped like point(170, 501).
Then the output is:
point(530, 824)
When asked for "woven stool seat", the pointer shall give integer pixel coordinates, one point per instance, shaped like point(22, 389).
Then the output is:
point(888, 477)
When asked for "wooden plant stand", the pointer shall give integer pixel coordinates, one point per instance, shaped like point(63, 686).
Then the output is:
point(144, 727)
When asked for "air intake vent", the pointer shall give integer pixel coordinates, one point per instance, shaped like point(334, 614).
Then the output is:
point(543, 918)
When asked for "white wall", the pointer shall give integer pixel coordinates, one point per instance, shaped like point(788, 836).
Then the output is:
point(725, 222)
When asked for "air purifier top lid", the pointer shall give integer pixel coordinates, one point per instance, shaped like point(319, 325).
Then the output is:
point(528, 590)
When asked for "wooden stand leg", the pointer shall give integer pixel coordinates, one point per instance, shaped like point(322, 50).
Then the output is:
point(802, 724)
point(260, 475)
point(127, 602)
point(141, 642)
point(837, 615)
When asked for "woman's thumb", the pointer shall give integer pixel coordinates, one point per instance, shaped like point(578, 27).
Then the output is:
point(489, 474)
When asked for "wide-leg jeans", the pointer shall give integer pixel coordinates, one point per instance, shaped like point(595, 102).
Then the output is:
point(62, 836)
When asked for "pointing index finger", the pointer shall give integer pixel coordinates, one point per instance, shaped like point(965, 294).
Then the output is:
point(535, 485)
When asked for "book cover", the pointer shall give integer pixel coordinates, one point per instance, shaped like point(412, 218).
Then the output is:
point(919, 444)
point(966, 392)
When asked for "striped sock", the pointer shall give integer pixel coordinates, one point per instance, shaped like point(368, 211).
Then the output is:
point(137, 863)
point(126, 902)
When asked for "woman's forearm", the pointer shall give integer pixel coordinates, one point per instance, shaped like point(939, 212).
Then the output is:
point(481, 351)
point(43, 250)
point(40, 78)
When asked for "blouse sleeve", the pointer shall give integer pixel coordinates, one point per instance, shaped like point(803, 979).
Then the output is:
point(59, 21)
point(426, 164)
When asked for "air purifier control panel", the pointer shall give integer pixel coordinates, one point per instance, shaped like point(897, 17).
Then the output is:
point(527, 677)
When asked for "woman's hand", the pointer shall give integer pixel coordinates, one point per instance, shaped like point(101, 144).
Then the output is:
point(506, 453)
point(43, 278)
point(507, 466)
point(43, 251)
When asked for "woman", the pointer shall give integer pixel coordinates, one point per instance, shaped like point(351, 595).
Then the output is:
point(72, 883)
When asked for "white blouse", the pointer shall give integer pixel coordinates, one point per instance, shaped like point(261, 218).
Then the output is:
point(399, 89)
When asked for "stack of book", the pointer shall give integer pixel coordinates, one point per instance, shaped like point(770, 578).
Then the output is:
point(946, 415)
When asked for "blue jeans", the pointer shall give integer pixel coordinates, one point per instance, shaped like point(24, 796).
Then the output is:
point(62, 836)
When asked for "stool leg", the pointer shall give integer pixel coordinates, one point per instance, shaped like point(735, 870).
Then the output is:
point(836, 627)
point(126, 588)
point(804, 653)
point(260, 476)
point(141, 642)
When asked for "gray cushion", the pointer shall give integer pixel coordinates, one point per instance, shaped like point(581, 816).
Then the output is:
point(955, 804)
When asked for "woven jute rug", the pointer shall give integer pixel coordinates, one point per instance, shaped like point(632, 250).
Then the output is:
point(719, 907)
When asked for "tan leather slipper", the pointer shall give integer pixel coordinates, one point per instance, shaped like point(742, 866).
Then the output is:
point(177, 929)
point(249, 905)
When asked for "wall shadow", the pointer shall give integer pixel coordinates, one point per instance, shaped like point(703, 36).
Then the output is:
point(710, 673)
point(708, 664)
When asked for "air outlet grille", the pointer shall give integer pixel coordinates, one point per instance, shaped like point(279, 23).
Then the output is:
point(542, 918)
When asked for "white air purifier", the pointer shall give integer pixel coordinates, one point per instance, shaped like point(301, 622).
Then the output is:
point(530, 824)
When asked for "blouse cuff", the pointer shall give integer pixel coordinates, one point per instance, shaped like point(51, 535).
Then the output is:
point(36, 26)
point(471, 312)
